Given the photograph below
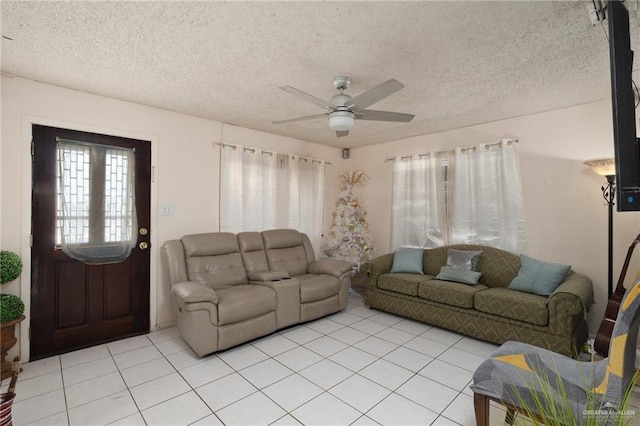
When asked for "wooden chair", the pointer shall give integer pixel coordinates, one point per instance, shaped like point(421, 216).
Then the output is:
point(555, 389)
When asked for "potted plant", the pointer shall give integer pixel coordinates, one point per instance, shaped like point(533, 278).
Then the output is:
point(11, 307)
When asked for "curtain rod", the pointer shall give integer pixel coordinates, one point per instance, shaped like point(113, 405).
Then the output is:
point(465, 149)
point(261, 151)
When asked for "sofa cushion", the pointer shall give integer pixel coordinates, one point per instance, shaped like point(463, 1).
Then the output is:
point(317, 287)
point(242, 302)
point(407, 260)
point(449, 293)
point(459, 275)
point(498, 267)
point(512, 304)
point(538, 277)
point(467, 259)
point(402, 283)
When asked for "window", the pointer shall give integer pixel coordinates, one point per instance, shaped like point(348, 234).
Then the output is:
point(469, 196)
point(74, 185)
point(95, 202)
point(264, 190)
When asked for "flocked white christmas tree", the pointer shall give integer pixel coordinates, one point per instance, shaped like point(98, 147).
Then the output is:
point(349, 238)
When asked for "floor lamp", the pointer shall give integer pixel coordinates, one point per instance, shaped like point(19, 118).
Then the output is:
point(607, 167)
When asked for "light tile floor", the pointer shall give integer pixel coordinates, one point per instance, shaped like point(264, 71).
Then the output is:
point(360, 367)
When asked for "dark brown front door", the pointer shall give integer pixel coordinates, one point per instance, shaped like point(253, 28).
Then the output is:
point(75, 304)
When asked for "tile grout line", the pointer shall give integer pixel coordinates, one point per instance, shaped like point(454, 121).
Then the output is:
point(321, 334)
point(126, 385)
point(194, 390)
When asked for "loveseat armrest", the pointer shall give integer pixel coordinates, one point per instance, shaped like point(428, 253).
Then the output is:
point(334, 267)
point(378, 266)
point(192, 292)
point(264, 276)
point(570, 303)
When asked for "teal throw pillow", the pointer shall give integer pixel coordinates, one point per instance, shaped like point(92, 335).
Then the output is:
point(538, 277)
point(459, 275)
point(408, 260)
point(464, 259)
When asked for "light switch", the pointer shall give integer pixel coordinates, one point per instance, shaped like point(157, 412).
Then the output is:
point(166, 209)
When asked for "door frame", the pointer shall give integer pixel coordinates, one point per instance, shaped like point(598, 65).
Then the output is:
point(26, 206)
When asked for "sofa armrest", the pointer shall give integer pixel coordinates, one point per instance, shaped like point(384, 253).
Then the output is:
point(580, 286)
point(570, 303)
point(264, 276)
point(334, 267)
point(192, 292)
point(378, 266)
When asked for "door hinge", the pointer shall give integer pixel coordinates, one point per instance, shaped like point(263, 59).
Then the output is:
point(31, 240)
point(153, 174)
point(32, 149)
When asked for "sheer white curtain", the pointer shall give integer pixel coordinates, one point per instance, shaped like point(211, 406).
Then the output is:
point(486, 204)
point(419, 201)
point(264, 190)
point(91, 175)
point(306, 197)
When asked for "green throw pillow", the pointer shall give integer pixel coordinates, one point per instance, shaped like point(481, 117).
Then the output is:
point(538, 277)
point(459, 275)
point(408, 260)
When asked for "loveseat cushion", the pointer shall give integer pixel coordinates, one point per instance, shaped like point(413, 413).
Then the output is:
point(402, 283)
point(513, 304)
point(317, 287)
point(214, 259)
point(285, 251)
point(245, 301)
point(450, 293)
point(252, 249)
point(210, 244)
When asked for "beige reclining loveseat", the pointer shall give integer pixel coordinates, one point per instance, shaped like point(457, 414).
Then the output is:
point(227, 289)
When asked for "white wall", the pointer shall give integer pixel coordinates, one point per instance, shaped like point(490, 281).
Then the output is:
point(563, 204)
point(184, 156)
point(565, 212)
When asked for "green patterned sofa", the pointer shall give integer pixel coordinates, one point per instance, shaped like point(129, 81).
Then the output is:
point(488, 310)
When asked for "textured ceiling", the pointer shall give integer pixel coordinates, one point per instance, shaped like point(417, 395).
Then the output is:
point(462, 63)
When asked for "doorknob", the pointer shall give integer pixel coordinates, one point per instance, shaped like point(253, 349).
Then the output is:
point(143, 245)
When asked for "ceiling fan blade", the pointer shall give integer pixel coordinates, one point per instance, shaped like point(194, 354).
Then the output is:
point(341, 133)
point(307, 97)
point(374, 95)
point(373, 115)
point(306, 117)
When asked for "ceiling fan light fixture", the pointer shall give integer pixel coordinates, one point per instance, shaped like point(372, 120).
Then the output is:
point(341, 121)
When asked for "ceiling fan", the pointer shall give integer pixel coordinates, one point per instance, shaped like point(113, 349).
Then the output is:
point(343, 110)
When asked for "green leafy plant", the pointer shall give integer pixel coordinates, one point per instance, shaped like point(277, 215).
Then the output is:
point(11, 307)
point(10, 266)
point(551, 404)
